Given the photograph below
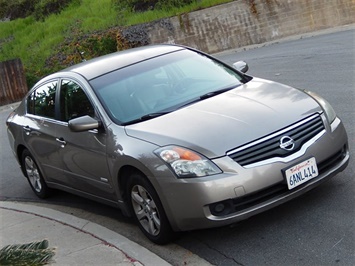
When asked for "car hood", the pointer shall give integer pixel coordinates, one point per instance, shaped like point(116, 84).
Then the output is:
point(218, 124)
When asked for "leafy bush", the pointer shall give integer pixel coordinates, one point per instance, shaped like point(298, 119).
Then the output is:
point(16, 9)
point(35, 253)
point(40, 9)
point(145, 5)
point(43, 8)
point(82, 47)
point(47, 42)
point(167, 4)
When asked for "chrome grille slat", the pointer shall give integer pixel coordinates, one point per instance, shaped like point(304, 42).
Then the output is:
point(270, 148)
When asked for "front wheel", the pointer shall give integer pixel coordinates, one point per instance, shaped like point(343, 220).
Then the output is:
point(34, 175)
point(148, 210)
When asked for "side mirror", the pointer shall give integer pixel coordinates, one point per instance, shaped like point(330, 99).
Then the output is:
point(83, 123)
point(241, 66)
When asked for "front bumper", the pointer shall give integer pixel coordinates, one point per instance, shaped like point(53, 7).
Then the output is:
point(240, 192)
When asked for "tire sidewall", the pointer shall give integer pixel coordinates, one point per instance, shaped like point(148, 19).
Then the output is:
point(166, 234)
point(45, 191)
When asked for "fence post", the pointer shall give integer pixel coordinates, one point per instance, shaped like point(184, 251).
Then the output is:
point(13, 86)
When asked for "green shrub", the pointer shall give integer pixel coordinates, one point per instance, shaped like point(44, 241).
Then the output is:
point(16, 8)
point(146, 5)
point(44, 8)
point(35, 253)
point(51, 34)
point(40, 9)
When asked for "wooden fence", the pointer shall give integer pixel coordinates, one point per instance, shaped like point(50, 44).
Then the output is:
point(13, 84)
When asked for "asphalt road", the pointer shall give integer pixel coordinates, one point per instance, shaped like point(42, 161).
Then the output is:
point(316, 229)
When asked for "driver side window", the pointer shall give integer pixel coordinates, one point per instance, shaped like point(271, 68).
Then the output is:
point(73, 101)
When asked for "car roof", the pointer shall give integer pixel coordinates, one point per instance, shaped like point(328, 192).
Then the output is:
point(101, 65)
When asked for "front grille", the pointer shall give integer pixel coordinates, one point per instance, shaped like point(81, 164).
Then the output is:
point(269, 147)
point(239, 204)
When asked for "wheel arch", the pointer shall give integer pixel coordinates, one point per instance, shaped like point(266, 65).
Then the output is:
point(166, 232)
point(123, 176)
point(19, 151)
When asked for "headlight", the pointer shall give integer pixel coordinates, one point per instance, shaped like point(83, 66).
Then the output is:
point(327, 108)
point(186, 163)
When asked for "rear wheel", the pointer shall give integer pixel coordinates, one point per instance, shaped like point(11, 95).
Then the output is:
point(148, 210)
point(34, 175)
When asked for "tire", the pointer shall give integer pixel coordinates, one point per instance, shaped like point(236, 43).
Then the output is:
point(34, 176)
point(148, 211)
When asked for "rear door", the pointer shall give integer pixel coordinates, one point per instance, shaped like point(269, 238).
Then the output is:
point(39, 128)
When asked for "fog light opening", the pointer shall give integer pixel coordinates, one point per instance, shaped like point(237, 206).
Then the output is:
point(220, 207)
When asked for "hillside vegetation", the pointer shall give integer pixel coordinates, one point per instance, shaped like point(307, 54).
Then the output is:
point(48, 35)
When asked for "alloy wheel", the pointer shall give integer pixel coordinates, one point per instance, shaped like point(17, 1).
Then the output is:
point(33, 174)
point(146, 210)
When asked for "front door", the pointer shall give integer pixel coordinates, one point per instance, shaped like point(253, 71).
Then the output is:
point(83, 154)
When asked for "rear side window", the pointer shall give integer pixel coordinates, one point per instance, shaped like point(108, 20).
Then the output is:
point(41, 101)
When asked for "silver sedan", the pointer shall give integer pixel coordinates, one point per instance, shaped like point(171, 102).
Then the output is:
point(175, 138)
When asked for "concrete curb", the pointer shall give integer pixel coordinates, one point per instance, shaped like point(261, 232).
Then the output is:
point(128, 247)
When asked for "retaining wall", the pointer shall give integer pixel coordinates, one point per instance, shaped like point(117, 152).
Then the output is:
point(245, 22)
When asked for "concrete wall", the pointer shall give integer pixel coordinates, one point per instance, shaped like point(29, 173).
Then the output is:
point(245, 22)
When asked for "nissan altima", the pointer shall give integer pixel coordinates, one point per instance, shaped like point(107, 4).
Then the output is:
point(175, 138)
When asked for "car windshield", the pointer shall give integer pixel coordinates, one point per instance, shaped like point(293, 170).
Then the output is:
point(162, 84)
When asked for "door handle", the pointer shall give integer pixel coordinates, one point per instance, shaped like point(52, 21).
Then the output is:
point(61, 141)
point(27, 130)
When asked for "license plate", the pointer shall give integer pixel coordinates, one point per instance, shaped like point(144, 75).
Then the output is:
point(301, 173)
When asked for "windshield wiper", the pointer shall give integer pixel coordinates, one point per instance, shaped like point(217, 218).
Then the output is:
point(214, 93)
point(152, 115)
point(144, 118)
point(208, 95)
